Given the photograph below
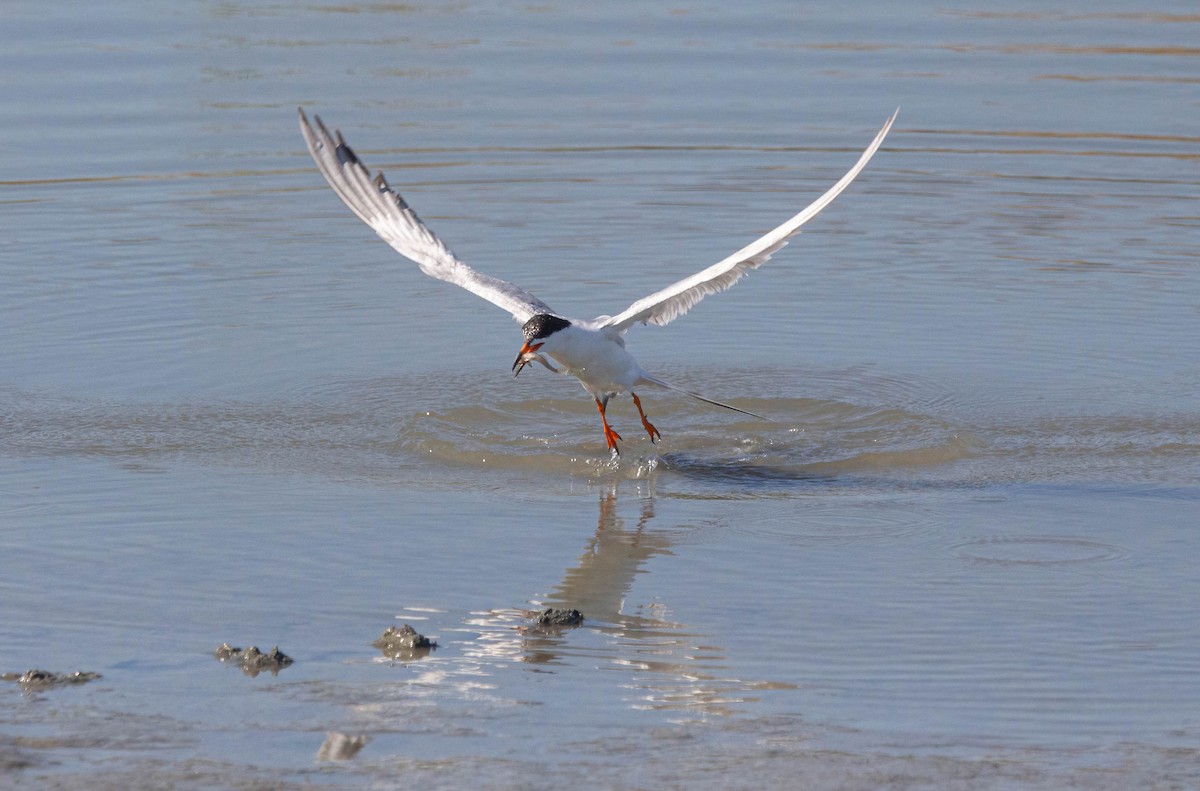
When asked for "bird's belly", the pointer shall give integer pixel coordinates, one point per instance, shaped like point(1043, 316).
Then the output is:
point(601, 365)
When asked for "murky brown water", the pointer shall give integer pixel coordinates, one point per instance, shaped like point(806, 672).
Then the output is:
point(959, 555)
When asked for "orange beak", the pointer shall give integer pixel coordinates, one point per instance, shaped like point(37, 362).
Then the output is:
point(521, 361)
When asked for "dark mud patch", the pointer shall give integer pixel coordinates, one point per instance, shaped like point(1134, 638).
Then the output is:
point(552, 620)
point(252, 661)
point(404, 643)
point(12, 757)
point(554, 616)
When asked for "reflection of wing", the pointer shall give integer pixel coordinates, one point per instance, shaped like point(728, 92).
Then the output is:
point(662, 664)
point(386, 212)
point(677, 299)
point(604, 574)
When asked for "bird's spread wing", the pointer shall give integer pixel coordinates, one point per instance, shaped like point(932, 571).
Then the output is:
point(677, 299)
point(386, 212)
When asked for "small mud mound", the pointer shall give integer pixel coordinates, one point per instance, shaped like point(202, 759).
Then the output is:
point(404, 643)
point(45, 679)
point(553, 617)
point(252, 661)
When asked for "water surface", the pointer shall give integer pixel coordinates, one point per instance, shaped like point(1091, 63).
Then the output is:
point(959, 554)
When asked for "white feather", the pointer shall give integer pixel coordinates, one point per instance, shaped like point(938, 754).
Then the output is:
point(678, 298)
point(592, 351)
point(385, 211)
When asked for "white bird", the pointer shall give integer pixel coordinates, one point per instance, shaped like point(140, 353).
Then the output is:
point(591, 351)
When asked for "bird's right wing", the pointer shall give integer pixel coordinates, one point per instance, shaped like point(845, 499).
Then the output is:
point(385, 211)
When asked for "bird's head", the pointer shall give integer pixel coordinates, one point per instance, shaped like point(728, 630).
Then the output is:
point(537, 331)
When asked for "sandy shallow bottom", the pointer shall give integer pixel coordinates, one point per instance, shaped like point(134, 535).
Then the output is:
point(882, 604)
point(117, 750)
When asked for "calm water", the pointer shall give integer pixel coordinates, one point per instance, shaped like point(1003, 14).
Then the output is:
point(961, 555)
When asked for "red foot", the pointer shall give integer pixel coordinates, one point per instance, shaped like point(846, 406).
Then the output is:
point(610, 436)
point(646, 424)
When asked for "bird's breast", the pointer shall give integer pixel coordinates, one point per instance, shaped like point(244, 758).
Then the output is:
point(596, 360)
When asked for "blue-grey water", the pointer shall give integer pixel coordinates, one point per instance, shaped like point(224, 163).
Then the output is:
point(961, 555)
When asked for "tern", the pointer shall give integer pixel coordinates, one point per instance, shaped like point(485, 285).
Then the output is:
point(591, 351)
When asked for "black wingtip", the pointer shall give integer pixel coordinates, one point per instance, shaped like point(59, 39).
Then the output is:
point(345, 154)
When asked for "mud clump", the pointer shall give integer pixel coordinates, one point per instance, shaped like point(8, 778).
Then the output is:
point(550, 622)
point(404, 643)
point(45, 679)
point(555, 618)
point(252, 661)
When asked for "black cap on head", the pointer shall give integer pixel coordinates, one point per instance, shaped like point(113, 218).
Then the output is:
point(542, 326)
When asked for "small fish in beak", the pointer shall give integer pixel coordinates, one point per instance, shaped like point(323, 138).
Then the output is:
point(527, 355)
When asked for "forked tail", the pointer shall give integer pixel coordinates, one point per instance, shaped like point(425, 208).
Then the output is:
point(667, 385)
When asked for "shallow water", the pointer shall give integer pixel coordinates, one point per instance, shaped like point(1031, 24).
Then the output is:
point(958, 555)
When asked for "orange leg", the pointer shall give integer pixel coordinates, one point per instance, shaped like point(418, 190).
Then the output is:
point(646, 424)
point(610, 436)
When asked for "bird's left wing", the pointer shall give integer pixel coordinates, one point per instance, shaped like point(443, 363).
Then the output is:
point(385, 211)
point(677, 299)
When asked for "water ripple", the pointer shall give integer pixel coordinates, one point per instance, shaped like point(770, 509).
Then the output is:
point(1037, 551)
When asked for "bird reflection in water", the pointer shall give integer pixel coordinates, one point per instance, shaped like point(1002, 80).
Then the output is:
point(668, 665)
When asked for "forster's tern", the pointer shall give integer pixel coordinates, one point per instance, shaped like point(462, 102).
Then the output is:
point(591, 351)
